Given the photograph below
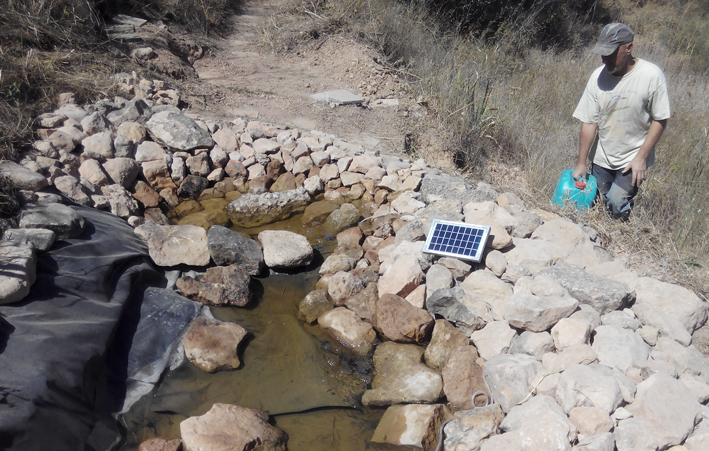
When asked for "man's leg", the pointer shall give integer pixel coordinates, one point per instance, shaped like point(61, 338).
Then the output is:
point(617, 190)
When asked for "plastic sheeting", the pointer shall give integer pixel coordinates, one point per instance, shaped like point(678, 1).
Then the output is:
point(69, 351)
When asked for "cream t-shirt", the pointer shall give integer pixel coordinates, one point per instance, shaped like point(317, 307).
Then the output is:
point(623, 107)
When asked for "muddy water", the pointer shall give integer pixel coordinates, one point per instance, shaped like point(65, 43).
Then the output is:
point(310, 386)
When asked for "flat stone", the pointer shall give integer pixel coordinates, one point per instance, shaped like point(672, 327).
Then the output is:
point(618, 347)
point(349, 329)
point(21, 177)
point(538, 313)
point(64, 221)
point(673, 300)
point(337, 97)
point(231, 428)
point(401, 322)
point(511, 378)
point(19, 263)
point(283, 249)
point(493, 339)
point(39, 239)
point(415, 426)
point(212, 345)
point(251, 210)
point(178, 131)
point(587, 385)
point(174, 245)
point(445, 338)
point(484, 285)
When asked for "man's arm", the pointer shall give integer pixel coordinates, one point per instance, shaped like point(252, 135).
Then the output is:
point(586, 138)
point(639, 163)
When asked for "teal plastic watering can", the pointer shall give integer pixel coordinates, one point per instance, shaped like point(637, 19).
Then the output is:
point(573, 193)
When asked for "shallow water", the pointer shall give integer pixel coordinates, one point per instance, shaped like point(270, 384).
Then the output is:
point(297, 373)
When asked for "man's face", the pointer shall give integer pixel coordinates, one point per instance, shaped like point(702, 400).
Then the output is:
point(617, 62)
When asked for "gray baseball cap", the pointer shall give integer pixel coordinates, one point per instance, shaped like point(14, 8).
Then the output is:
point(613, 35)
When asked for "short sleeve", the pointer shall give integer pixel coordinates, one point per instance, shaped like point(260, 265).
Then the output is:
point(659, 100)
point(587, 110)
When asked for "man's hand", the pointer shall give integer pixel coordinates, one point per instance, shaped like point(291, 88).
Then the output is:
point(639, 168)
point(579, 172)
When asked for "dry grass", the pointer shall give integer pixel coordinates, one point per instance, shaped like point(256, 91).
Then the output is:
point(507, 98)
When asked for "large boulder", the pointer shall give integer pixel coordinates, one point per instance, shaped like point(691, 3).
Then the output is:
point(349, 329)
point(212, 345)
point(20, 177)
point(620, 348)
point(542, 309)
point(231, 428)
point(228, 247)
point(588, 386)
point(253, 210)
point(178, 131)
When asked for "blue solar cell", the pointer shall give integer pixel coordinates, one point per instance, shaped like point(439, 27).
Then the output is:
point(457, 239)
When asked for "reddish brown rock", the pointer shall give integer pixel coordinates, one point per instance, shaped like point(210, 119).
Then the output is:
point(462, 377)
point(401, 322)
point(145, 194)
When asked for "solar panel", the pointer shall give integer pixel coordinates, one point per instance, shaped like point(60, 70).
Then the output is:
point(457, 239)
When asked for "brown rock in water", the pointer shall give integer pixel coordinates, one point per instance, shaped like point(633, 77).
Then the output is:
point(462, 377)
point(146, 195)
point(212, 345)
point(314, 305)
point(350, 237)
point(161, 444)
point(401, 322)
point(284, 182)
point(349, 329)
point(220, 285)
point(231, 428)
point(364, 303)
point(412, 425)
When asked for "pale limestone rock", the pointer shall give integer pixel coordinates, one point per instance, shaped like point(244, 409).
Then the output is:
point(149, 151)
point(417, 298)
point(212, 345)
point(401, 377)
point(598, 442)
point(21, 177)
point(336, 263)
point(618, 347)
point(697, 386)
point(343, 285)
point(412, 425)
point(284, 249)
point(313, 305)
point(39, 239)
point(121, 201)
point(571, 331)
point(575, 245)
point(363, 163)
point(511, 378)
point(122, 171)
point(64, 221)
point(458, 268)
point(19, 263)
point(485, 286)
point(91, 171)
point(444, 340)
point(587, 385)
point(174, 245)
point(535, 344)
point(673, 300)
point(402, 277)
point(573, 355)
point(98, 146)
point(401, 322)
point(226, 139)
point(470, 427)
point(349, 329)
point(329, 172)
point(496, 262)
point(667, 325)
point(494, 339)
point(538, 313)
point(540, 424)
point(231, 428)
point(438, 276)
point(534, 255)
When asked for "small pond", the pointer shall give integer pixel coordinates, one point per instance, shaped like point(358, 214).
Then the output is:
point(295, 371)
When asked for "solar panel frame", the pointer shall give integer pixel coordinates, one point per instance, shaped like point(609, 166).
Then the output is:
point(452, 239)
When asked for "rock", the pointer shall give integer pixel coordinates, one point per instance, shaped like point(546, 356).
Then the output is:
point(535, 344)
point(344, 217)
point(174, 245)
point(192, 186)
point(697, 386)
point(415, 426)
point(149, 151)
point(122, 171)
point(122, 202)
point(598, 442)
point(71, 188)
point(666, 324)
point(212, 345)
point(618, 347)
point(147, 196)
point(603, 294)
point(573, 355)
point(699, 440)
point(337, 97)
point(178, 131)
point(228, 247)
point(664, 412)
point(496, 262)
point(91, 171)
point(231, 428)
point(263, 145)
point(252, 210)
point(401, 278)
point(39, 239)
point(226, 139)
point(401, 377)
point(686, 359)
point(342, 285)
point(220, 285)
point(575, 245)
point(21, 177)
point(134, 111)
point(438, 276)
point(470, 427)
point(587, 385)
point(364, 303)
point(161, 444)
point(685, 306)
point(511, 378)
point(539, 424)
point(462, 378)
point(571, 331)
point(538, 313)
point(590, 420)
point(493, 339)
point(19, 263)
point(401, 322)
point(64, 221)
point(283, 249)
point(314, 304)
point(458, 268)
point(336, 263)
point(534, 255)
point(98, 146)
point(621, 318)
point(484, 286)
point(349, 329)
point(455, 305)
point(444, 340)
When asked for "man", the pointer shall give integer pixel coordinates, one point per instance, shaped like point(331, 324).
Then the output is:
point(624, 111)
